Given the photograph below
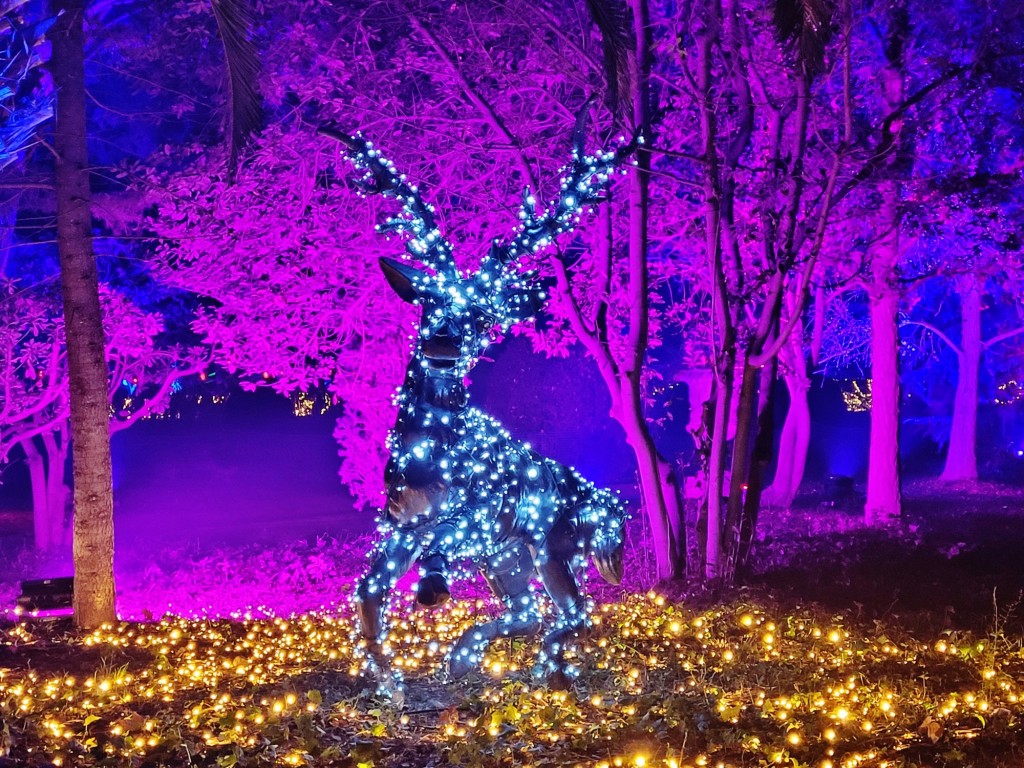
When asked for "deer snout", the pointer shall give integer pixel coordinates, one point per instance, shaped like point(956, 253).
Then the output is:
point(443, 346)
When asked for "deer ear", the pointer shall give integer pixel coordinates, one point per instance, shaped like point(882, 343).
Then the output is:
point(402, 278)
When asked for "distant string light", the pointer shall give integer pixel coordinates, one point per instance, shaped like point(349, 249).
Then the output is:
point(858, 399)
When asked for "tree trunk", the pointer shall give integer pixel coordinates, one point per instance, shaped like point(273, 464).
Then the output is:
point(49, 493)
point(961, 459)
point(796, 430)
point(40, 505)
point(660, 497)
point(725, 343)
point(664, 510)
point(56, 444)
point(883, 497)
point(760, 458)
point(742, 448)
point(714, 550)
point(87, 370)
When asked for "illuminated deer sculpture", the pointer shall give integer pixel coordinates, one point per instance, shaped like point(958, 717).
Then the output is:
point(458, 486)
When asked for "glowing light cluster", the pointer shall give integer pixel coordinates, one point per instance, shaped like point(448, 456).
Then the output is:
point(459, 488)
point(756, 687)
point(1009, 392)
point(858, 399)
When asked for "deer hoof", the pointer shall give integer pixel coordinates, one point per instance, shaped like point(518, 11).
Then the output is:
point(461, 664)
point(559, 680)
point(432, 590)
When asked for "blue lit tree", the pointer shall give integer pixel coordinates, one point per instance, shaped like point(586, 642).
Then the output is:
point(26, 97)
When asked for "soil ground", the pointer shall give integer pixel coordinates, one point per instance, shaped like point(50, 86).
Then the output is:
point(953, 561)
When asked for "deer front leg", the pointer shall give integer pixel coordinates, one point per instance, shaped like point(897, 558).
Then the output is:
point(433, 589)
point(392, 561)
point(508, 574)
point(554, 565)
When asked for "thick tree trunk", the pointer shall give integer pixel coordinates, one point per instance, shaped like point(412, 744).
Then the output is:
point(87, 370)
point(883, 496)
point(961, 459)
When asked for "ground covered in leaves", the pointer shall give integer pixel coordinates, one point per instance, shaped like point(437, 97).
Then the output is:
point(849, 647)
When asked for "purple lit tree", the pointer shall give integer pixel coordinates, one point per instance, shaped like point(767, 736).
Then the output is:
point(143, 371)
point(286, 302)
point(475, 141)
point(77, 348)
point(771, 104)
point(922, 82)
point(980, 269)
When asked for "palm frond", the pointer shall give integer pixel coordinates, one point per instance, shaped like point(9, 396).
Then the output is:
point(234, 23)
point(613, 21)
point(24, 102)
point(806, 25)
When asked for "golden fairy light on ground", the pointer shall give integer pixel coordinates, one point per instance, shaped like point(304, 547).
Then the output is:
point(662, 686)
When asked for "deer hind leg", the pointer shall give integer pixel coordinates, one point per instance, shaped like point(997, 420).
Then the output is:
point(391, 562)
point(508, 574)
point(554, 564)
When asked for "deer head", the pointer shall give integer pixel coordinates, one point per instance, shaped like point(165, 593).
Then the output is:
point(461, 313)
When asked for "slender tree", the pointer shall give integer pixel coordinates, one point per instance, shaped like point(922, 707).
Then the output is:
point(762, 123)
point(93, 536)
point(883, 494)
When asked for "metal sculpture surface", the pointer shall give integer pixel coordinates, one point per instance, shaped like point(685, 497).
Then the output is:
point(459, 487)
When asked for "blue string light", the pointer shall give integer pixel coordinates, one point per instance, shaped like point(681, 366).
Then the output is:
point(460, 489)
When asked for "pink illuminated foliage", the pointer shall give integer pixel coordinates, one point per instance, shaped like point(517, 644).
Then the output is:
point(143, 372)
point(291, 293)
point(787, 196)
point(286, 257)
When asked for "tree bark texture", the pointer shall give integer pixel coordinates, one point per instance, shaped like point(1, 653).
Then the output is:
point(93, 533)
point(760, 458)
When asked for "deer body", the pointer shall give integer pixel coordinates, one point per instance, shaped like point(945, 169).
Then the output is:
point(459, 487)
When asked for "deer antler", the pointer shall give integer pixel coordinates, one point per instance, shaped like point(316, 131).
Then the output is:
point(587, 177)
point(426, 245)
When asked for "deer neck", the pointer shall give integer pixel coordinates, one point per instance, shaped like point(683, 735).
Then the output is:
point(431, 398)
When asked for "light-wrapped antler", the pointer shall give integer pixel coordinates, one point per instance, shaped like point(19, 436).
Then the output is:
point(587, 176)
point(458, 486)
point(427, 245)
